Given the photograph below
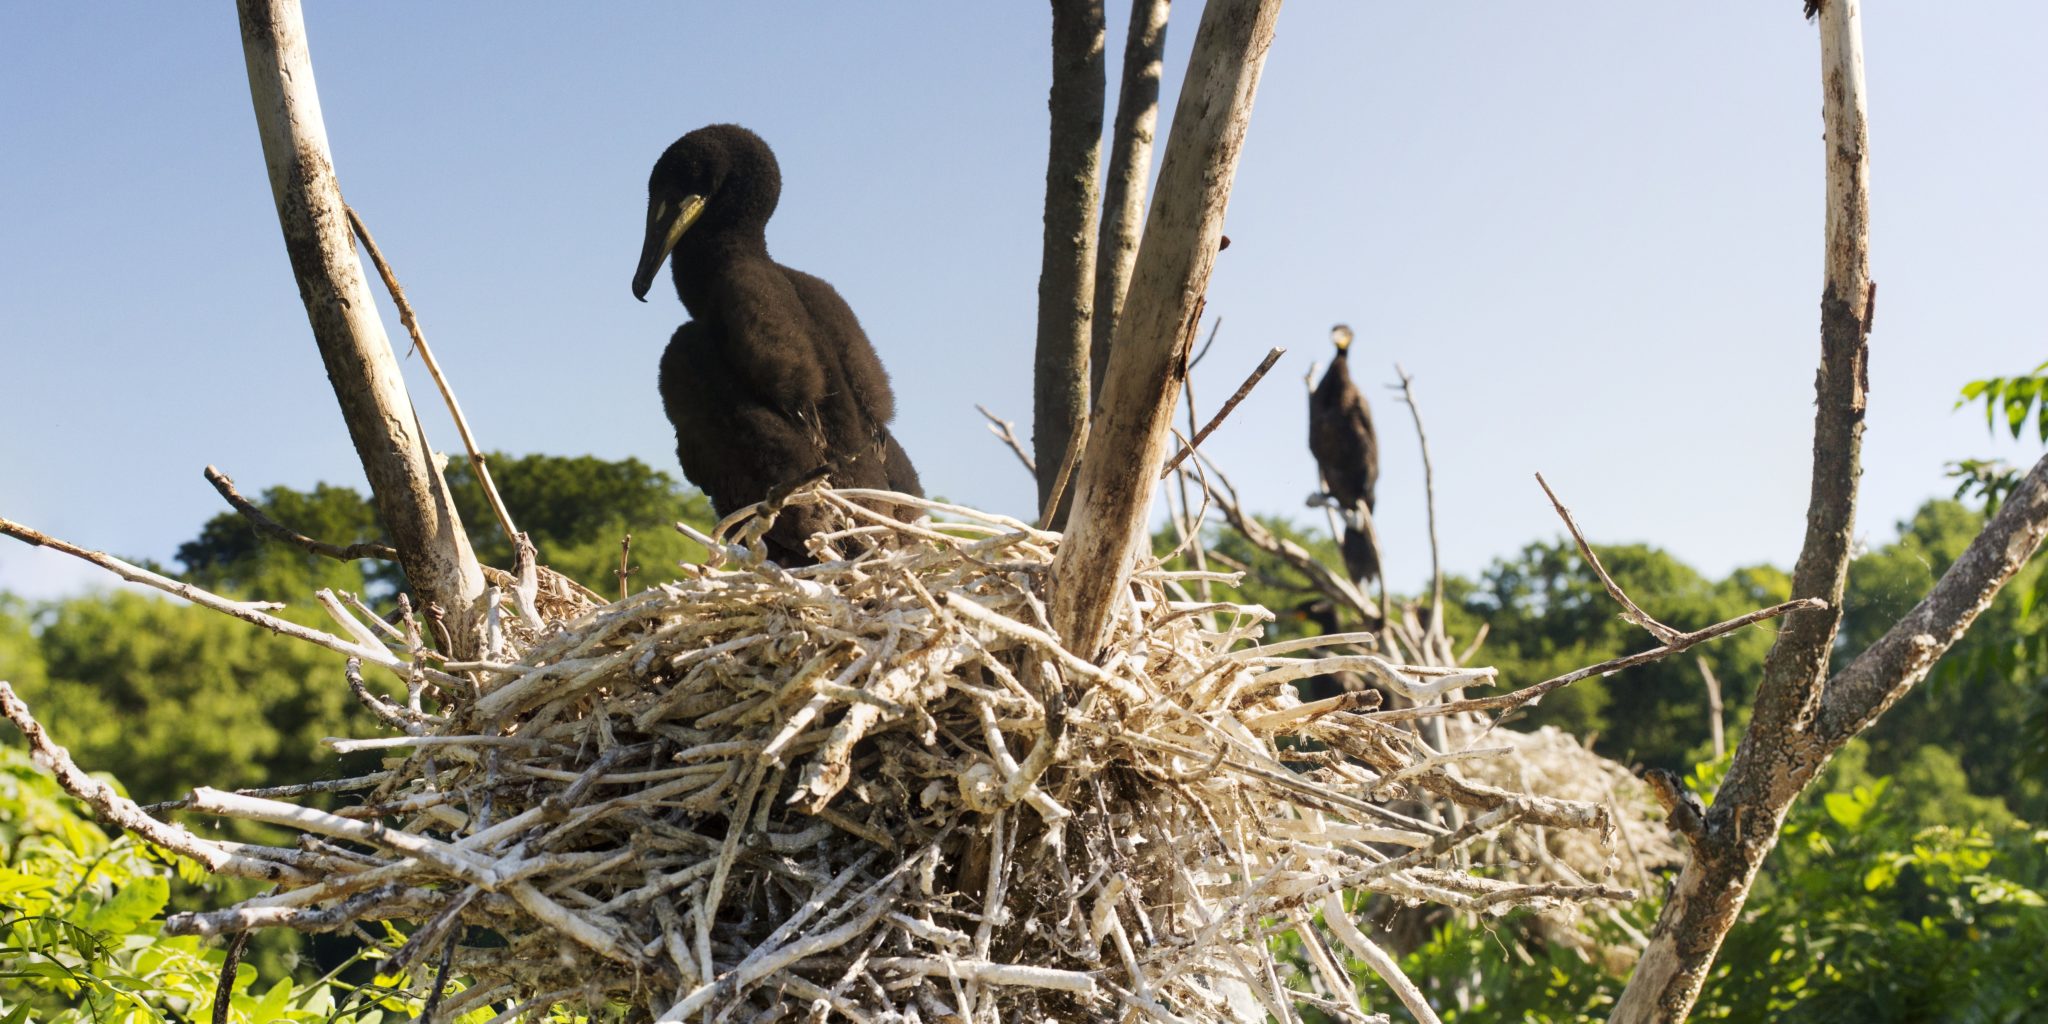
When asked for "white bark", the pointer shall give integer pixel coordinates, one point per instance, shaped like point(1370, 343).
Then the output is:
point(1130, 167)
point(411, 496)
point(1129, 433)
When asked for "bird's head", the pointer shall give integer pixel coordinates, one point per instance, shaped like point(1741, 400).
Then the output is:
point(1340, 336)
point(715, 181)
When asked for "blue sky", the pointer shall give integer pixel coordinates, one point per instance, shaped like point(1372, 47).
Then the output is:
point(1591, 232)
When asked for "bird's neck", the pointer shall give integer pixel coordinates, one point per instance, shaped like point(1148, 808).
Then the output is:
point(700, 262)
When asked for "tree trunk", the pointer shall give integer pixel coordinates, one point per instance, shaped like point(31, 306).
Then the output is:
point(411, 496)
point(1778, 754)
point(1120, 467)
point(1066, 276)
point(1130, 167)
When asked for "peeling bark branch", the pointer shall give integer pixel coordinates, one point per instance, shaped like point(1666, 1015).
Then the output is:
point(1889, 668)
point(1120, 468)
point(1779, 753)
point(1066, 276)
point(412, 498)
point(115, 809)
point(1130, 165)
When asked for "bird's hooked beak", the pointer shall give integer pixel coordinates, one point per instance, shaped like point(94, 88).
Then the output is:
point(666, 222)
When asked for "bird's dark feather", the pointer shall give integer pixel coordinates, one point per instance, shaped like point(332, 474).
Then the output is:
point(1340, 435)
point(773, 377)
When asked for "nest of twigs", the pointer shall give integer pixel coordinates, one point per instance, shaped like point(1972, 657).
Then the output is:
point(877, 789)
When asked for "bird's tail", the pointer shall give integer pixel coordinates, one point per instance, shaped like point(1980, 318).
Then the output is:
point(1361, 562)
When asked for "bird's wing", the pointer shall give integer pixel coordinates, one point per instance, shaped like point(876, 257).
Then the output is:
point(841, 340)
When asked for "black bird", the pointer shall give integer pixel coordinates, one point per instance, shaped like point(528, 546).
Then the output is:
point(1340, 435)
point(772, 378)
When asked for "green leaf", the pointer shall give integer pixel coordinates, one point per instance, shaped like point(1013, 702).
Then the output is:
point(1845, 809)
point(273, 1003)
point(134, 903)
point(12, 881)
point(2019, 400)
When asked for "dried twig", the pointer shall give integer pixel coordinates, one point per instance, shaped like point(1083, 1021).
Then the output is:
point(264, 523)
point(1436, 569)
point(419, 342)
point(1006, 432)
point(1629, 609)
point(1216, 420)
point(115, 809)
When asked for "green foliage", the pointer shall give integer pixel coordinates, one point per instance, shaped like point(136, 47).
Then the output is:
point(1887, 901)
point(2008, 403)
point(1862, 914)
point(167, 697)
point(80, 923)
point(577, 509)
point(81, 933)
point(2012, 400)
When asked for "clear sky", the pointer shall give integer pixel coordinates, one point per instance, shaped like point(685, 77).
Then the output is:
point(1591, 232)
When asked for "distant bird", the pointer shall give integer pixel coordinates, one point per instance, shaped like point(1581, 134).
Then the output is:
point(1341, 437)
point(772, 378)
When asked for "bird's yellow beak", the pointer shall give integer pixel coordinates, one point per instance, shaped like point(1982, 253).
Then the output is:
point(666, 222)
point(1340, 336)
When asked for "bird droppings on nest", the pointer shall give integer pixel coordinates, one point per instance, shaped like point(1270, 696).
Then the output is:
point(876, 789)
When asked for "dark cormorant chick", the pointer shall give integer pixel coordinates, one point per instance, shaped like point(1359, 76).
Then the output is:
point(1340, 435)
point(772, 378)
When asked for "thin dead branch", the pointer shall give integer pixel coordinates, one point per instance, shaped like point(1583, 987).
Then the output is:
point(1114, 483)
point(419, 343)
point(411, 496)
point(1217, 420)
point(1436, 569)
point(1006, 432)
point(265, 524)
point(1629, 609)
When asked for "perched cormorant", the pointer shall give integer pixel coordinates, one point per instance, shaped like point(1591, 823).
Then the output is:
point(1340, 435)
point(772, 378)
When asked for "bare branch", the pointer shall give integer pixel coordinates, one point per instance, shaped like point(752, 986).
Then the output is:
point(1048, 516)
point(1066, 276)
point(247, 611)
point(1436, 568)
point(1123, 189)
point(1713, 704)
point(118, 810)
point(1006, 432)
point(1629, 609)
point(1329, 583)
point(1216, 420)
point(265, 524)
point(412, 498)
point(1887, 669)
point(419, 343)
point(1779, 752)
point(1532, 694)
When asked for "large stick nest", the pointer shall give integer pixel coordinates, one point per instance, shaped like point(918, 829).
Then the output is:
point(878, 789)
